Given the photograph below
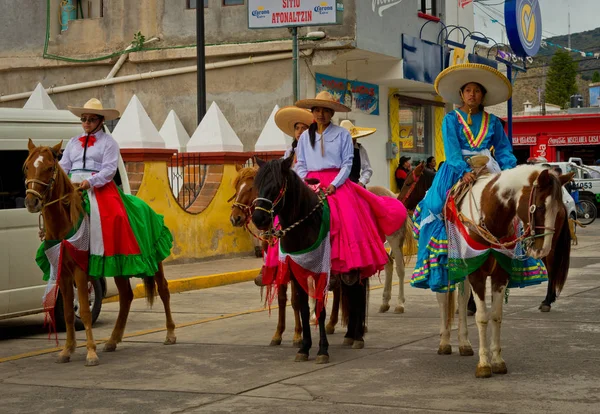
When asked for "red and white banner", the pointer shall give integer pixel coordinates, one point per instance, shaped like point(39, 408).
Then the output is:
point(265, 14)
point(524, 139)
point(583, 139)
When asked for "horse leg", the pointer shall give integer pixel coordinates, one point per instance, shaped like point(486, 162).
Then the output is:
point(546, 304)
point(304, 350)
point(81, 281)
point(298, 324)
point(65, 285)
point(498, 364)
point(445, 348)
point(348, 304)
point(125, 299)
point(464, 345)
point(282, 302)
point(323, 354)
point(360, 307)
point(335, 308)
point(387, 287)
point(162, 286)
point(399, 256)
point(482, 317)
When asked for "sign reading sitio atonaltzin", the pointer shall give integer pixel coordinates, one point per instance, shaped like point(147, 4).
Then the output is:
point(265, 14)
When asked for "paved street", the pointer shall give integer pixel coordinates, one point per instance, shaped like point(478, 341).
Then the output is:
point(222, 361)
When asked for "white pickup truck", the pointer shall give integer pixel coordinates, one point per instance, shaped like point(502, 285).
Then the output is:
point(587, 178)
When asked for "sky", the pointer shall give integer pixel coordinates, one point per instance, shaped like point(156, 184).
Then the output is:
point(584, 16)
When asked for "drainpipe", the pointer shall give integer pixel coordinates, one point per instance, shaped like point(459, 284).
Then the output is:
point(124, 57)
point(153, 75)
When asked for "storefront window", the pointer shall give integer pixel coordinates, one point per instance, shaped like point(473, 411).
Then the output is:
point(416, 134)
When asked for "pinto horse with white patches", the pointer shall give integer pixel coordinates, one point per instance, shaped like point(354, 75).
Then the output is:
point(486, 216)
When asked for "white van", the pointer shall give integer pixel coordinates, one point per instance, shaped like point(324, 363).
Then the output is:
point(21, 284)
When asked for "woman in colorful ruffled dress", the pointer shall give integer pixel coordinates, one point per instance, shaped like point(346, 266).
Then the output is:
point(127, 238)
point(359, 219)
point(467, 131)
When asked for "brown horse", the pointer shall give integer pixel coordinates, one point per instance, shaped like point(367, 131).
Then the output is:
point(51, 194)
point(241, 215)
point(529, 193)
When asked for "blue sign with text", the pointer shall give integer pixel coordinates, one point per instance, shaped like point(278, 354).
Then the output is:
point(523, 20)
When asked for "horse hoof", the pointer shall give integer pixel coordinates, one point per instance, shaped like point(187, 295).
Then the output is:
point(348, 341)
point(399, 309)
point(384, 308)
point(62, 359)
point(483, 371)
point(466, 350)
point(445, 349)
point(92, 362)
point(330, 329)
point(109, 347)
point(499, 368)
point(545, 308)
point(171, 340)
point(322, 359)
point(275, 342)
point(297, 343)
point(301, 357)
point(358, 345)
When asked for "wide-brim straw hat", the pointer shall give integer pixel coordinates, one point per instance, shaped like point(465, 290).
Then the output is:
point(357, 132)
point(287, 118)
point(450, 80)
point(94, 106)
point(324, 100)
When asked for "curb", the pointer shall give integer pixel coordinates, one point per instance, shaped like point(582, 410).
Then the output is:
point(196, 283)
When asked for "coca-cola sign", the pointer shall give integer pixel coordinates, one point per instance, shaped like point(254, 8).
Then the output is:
point(560, 141)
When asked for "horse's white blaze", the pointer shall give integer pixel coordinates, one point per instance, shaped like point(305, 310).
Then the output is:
point(237, 198)
point(38, 161)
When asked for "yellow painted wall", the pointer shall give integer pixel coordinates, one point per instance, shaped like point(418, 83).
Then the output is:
point(195, 236)
point(440, 154)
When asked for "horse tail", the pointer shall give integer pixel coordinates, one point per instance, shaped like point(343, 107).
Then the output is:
point(409, 243)
point(562, 257)
point(150, 289)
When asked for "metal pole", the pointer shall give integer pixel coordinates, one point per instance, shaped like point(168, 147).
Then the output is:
point(510, 106)
point(295, 64)
point(201, 78)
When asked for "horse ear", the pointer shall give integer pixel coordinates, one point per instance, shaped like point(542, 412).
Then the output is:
point(544, 178)
point(259, 161)
point(56, 149)
point(30, 145)
point(565, 178)
point(238, 167)
point(287, 163)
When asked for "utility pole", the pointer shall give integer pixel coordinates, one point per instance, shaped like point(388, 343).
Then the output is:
point(569, 19)
point(201, 73)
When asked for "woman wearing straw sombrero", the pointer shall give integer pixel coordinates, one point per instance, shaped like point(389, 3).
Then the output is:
point(127, 238)
point(359, 219)
point(467, 131)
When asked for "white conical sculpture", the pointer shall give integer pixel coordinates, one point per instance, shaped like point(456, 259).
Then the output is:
point(135, 128)
point(39, 99)
point(214, 134)
point(174, 133)
point(272, 138)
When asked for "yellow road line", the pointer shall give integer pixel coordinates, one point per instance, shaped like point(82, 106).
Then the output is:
point(156, 330)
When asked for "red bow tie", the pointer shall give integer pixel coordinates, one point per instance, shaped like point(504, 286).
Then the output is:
point(91, 141)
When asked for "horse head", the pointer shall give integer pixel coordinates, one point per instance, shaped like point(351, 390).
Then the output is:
point(241, 209)
point(415, 186)
point(41, 171)
point(270, 185)
point(539, 207)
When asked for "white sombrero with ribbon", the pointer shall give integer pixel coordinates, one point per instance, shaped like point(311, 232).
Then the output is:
point(94, 106)
point(450, 80)
point(323, 100)
point(357, 132)
point(287, 118)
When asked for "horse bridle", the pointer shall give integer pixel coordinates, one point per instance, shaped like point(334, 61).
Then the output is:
point(49, 186)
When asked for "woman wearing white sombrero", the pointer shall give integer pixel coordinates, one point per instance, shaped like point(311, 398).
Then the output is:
point(127, 238)
point(359, 219)
point(361, 171)
point(467, 131)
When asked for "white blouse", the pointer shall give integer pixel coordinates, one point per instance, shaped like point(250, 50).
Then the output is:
point(102, 157)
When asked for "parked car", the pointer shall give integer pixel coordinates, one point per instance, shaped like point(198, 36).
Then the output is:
point(21, 284)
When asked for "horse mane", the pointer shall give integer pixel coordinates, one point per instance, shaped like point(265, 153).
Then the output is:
point(244, 174)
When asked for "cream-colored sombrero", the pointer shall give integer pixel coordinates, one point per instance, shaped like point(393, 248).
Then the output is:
point(324, 100)
point(357, 132)
point(287, 118)
point(94, 106)
point(450, 80)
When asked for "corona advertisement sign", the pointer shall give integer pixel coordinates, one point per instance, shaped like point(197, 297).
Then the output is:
point(523, 20)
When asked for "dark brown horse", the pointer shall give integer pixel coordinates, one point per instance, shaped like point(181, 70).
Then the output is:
point(51, 194)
